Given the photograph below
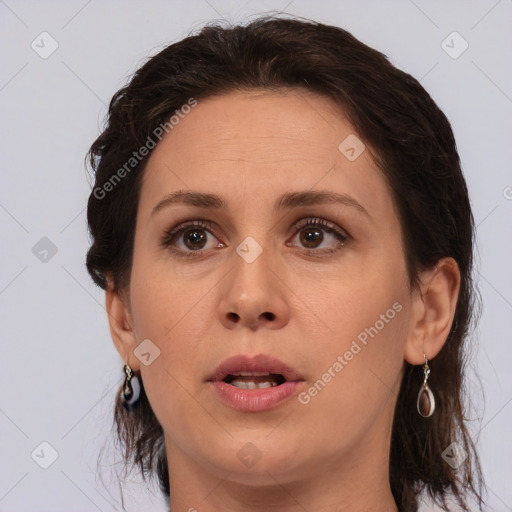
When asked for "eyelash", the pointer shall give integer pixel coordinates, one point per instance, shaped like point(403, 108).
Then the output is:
point(342, 236)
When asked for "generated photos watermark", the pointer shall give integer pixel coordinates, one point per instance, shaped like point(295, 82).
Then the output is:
point(356, 346)
point(137, 156)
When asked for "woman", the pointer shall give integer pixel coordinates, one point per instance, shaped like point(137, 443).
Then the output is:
point(284, 234)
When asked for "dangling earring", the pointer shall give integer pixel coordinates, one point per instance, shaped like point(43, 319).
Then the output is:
point(425, 404)
point(131, 389)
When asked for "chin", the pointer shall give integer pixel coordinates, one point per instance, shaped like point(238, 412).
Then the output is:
point(252, 462)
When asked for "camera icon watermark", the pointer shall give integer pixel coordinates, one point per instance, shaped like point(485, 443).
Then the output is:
point(44, 250)
point(352, 147)
point(146, 352)
point(44, 45)
point(249, 250)
point(454, 455)
point(44, 455)
point(454, 45)
point(249, 455)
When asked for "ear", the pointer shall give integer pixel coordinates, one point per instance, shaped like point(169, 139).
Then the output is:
point(121, 325)
point(433, 310)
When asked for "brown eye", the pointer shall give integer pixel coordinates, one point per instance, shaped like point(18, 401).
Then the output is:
point(194, 238)
point(191, 239)
point(317, 236)
point(311, 237)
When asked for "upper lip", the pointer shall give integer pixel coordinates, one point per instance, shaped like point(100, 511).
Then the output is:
point(259, 363)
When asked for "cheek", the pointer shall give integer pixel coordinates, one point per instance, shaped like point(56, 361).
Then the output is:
point(163, 302)
point(359, 359)
point(171, 318)
point(357, 375)
point(367, 333)
point(176, 313)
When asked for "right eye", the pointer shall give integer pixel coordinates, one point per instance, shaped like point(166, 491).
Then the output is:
point(190, 238)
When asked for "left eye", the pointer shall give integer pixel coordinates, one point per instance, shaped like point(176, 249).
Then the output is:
point(315, 232)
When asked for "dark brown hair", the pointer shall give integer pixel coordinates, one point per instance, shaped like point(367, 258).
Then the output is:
point(410, 140)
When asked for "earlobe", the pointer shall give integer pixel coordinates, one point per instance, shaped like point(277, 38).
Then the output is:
point(120, 323)
point(434, 307)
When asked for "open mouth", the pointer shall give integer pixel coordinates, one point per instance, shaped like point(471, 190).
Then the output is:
point(254, 380)
point(254, 383)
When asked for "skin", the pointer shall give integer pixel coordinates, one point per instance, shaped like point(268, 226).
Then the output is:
point(330, 454)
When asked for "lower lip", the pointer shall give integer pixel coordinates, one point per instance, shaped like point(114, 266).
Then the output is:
point(255, 400)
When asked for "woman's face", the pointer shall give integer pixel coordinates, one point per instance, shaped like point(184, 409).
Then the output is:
point(297, 257)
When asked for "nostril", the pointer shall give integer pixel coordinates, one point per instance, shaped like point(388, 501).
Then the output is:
point(233, 316)
point(269, 316)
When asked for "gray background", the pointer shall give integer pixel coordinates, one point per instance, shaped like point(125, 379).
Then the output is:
point(59, 368)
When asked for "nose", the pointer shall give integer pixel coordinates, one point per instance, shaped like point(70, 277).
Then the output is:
point(253, 296)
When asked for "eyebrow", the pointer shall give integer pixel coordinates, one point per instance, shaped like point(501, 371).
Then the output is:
point(287, 201)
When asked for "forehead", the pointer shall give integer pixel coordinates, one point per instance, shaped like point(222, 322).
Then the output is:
point(239, 124)
point(261, 142)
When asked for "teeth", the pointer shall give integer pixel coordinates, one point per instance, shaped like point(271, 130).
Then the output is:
point(250, 384)
point(254, 374)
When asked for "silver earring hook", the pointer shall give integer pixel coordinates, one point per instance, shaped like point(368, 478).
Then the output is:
point(426, 370)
